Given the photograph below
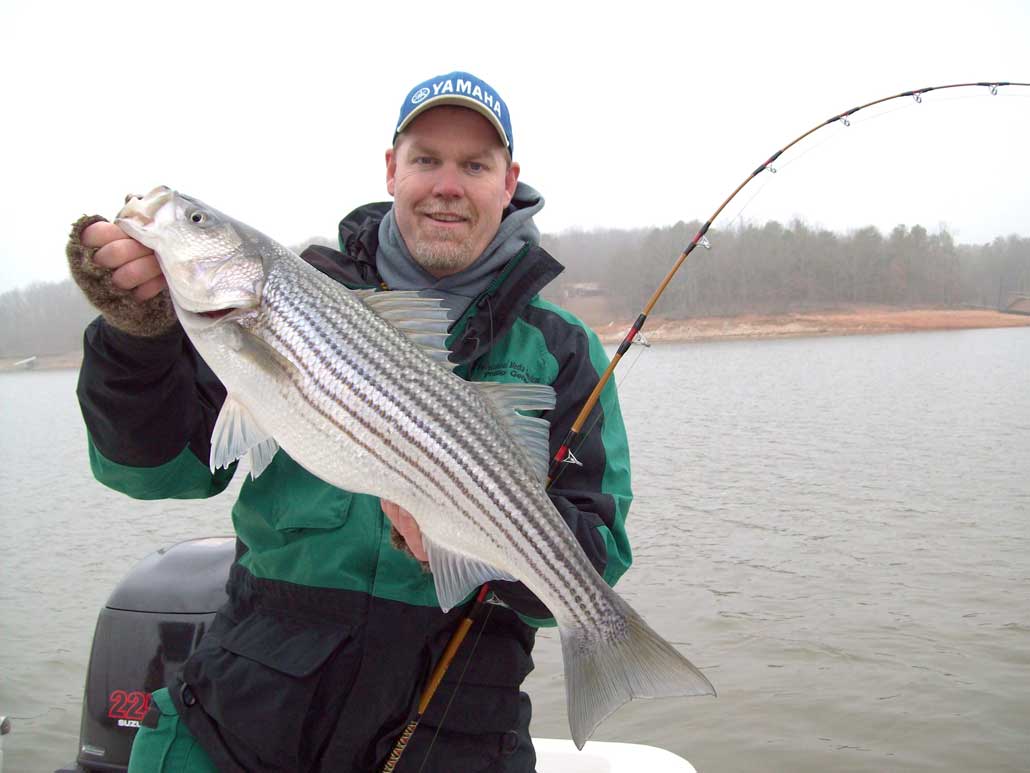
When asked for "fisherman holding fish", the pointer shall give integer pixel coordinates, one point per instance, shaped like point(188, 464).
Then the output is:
point(333, 621)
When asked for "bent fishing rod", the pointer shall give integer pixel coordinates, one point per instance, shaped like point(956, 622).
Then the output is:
point(565, 455)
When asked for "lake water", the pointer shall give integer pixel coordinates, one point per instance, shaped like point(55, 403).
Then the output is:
point(836, 530)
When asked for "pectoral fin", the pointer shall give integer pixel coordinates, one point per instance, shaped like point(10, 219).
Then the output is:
point(237, 433)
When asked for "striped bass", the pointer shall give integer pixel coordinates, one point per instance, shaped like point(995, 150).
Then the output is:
point(356, 387)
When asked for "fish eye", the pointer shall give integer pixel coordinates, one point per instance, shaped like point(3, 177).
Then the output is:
point(198, 217)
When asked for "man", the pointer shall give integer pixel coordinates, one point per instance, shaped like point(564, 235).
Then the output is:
point(318, 659)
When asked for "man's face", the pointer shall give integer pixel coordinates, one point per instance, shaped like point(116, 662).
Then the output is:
point(450, 179)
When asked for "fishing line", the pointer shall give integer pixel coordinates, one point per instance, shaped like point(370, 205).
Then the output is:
point(853, 126)
point(641, 346)
point(454, 692)
point(862, 123)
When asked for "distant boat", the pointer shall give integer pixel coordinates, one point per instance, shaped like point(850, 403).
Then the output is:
point(1017, 303)
point(28, 363)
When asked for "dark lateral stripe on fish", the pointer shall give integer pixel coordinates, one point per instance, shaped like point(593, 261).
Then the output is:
point(533, 539)
point(548, 538)
point(430, 430)
point(515, 495)
point(370, 449)
point(561, 543)
point(566, 595)
point(382, 441)
point(427, 453)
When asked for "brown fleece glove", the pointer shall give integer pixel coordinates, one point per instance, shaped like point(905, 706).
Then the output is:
point(148, 319)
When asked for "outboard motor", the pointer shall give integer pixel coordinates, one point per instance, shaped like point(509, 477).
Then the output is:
point(151, 624)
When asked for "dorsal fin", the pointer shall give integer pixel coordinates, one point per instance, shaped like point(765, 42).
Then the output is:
point(531, 433)
point(423, 320)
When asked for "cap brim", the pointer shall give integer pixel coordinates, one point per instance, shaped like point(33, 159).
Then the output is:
point(458, 101)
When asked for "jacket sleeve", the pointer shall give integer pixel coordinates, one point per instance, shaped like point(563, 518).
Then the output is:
point(594, 496)
point(149, 404)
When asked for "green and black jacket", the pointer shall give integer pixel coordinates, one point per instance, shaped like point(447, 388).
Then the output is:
point(317, 661)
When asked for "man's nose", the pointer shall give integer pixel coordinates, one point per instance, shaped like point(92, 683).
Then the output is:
point(448, 182)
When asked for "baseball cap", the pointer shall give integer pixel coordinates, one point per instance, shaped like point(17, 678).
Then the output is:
point(464, 90)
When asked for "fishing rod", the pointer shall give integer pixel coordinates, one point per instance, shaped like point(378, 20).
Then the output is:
point(565, 454)
point(437, 676)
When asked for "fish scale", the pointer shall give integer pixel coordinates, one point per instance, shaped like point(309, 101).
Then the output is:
point(355, 388)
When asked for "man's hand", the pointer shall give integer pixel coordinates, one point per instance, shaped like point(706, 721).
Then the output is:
point(120, 277)
point(405, 525)
point(133, 265)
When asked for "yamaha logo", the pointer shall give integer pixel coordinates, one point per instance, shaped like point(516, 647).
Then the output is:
point(419, 95)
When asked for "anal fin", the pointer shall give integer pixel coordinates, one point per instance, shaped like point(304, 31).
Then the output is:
point(457, 575)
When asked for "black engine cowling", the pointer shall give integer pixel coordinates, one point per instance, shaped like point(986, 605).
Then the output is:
point(148, 628)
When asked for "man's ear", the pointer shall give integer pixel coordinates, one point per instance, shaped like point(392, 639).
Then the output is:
point(391, 169)
point(511, 179)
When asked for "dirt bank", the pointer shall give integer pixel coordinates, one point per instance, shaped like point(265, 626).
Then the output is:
point(852, 322)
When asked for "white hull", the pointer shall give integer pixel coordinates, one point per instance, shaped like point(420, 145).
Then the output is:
point(554, 755)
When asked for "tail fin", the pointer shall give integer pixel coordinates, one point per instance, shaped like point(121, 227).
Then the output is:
point(602, 673)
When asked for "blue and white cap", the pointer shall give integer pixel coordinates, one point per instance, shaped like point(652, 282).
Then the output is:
point(464, 90)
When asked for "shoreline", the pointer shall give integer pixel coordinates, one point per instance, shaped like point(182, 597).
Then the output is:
point(866, 321)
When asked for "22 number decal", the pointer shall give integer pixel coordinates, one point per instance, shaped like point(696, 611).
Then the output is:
point(131, 706)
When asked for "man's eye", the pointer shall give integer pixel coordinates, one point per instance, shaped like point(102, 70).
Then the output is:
point(475, 166)
point(423, 160)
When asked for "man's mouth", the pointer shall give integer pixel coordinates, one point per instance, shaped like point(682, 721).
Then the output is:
point(445, 217)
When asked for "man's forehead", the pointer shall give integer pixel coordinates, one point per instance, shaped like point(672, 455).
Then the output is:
point(441, 124)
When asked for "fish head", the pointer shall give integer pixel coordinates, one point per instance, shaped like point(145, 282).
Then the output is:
point(214, 264)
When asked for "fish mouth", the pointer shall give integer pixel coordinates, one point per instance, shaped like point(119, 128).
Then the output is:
point(139, 212)
point(217, 313)
point(221, 312)
point(210, 318)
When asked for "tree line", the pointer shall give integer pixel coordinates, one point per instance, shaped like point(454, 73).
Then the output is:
point(769, 268)
point(773, 268)
point(43, 318)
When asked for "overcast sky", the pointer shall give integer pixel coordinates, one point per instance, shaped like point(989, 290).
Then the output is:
point(628, 114)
